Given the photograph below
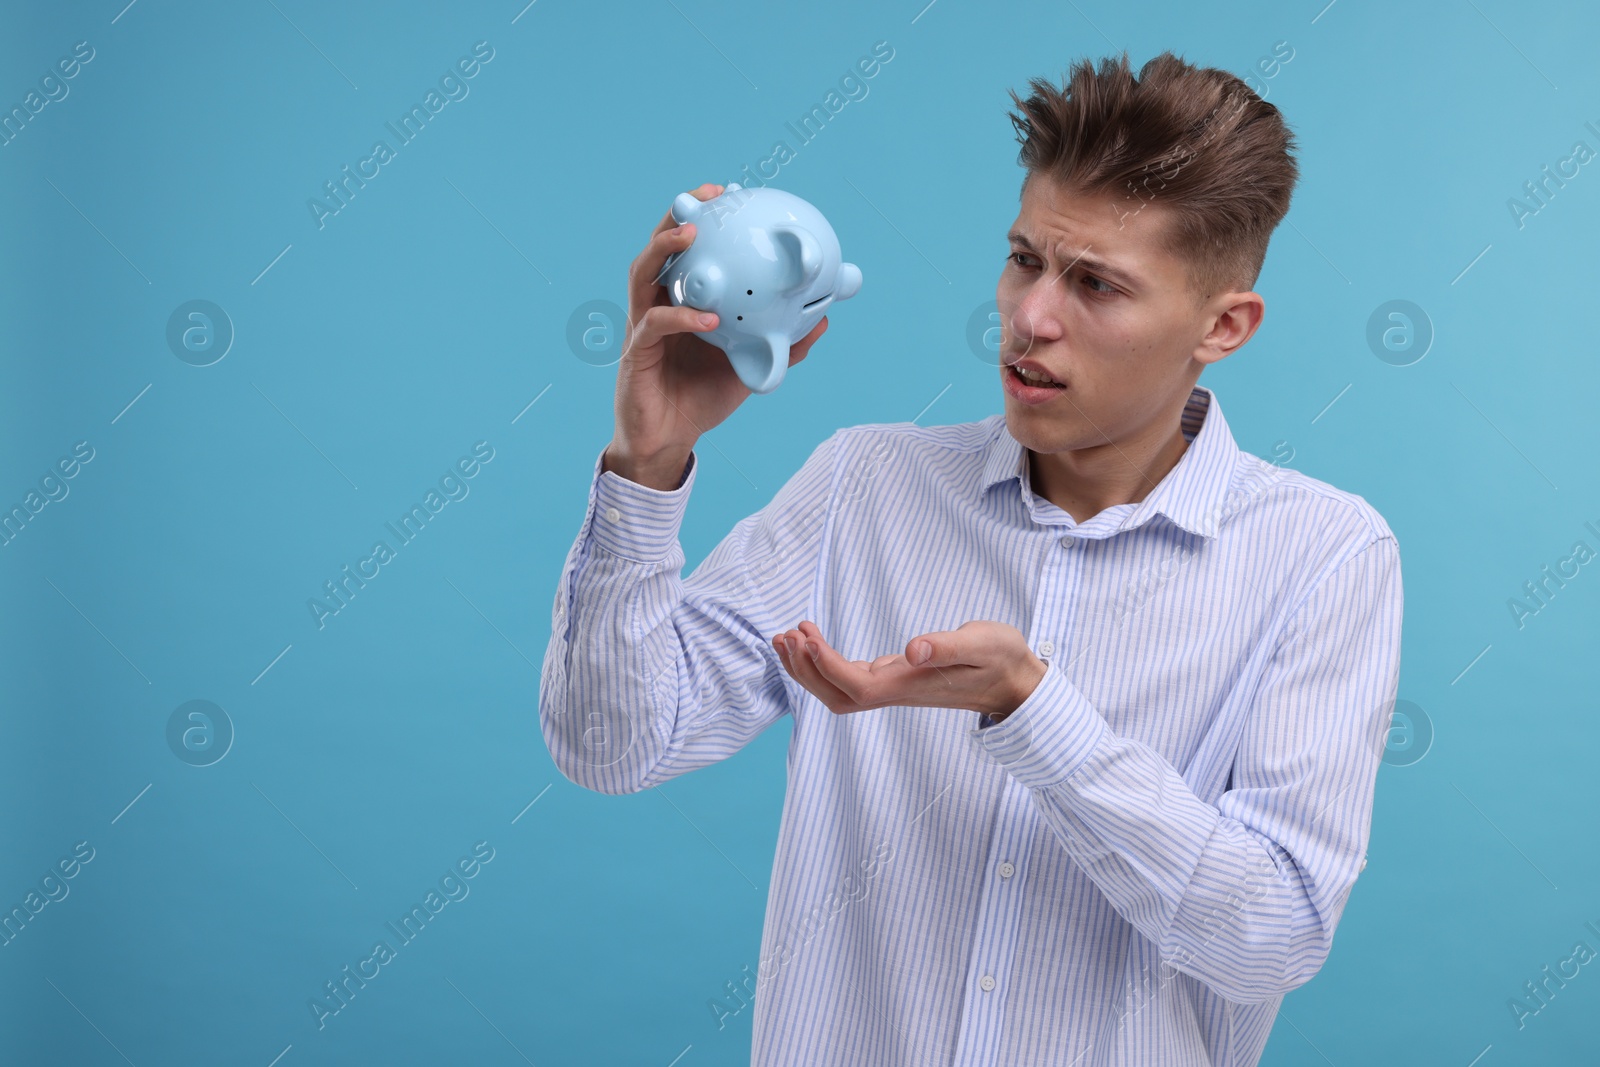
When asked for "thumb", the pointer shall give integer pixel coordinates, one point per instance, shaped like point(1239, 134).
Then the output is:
point(932, 650)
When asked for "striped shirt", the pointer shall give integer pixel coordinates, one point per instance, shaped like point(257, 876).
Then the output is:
point(1135, 865)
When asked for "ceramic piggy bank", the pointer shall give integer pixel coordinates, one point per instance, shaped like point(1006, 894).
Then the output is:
point(768, 264)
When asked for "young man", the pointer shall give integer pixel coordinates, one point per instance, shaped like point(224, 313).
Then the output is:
point(1088, 704)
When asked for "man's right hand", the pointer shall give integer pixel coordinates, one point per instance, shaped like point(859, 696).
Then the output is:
point(671, 385)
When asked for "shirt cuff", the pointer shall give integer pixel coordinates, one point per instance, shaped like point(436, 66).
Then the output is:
point(634, 521)
point(1048, 736)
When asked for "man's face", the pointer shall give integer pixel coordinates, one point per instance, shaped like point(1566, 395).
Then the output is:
point(1089, 296)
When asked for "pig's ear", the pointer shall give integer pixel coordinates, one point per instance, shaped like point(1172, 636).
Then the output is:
point(802, 256)
point(685, 208)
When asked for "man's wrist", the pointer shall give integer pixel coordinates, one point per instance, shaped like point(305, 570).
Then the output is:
point(663, 471)
point(1030, 674)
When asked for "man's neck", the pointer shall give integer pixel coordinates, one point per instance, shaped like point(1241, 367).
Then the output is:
point(1086, 481)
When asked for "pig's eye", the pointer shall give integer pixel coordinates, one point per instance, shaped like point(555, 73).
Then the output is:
point(749, 292)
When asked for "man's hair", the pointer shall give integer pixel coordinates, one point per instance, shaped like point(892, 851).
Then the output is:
point(1197, 140)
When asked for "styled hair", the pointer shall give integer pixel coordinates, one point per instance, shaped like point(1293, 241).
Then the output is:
point(1197, 140)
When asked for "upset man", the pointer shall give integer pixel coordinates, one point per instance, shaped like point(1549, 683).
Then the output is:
point(1088, 704)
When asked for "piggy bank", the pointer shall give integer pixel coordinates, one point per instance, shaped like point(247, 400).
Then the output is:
point(768, 264)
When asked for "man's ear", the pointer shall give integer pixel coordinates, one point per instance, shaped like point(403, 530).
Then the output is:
point(1237, 317)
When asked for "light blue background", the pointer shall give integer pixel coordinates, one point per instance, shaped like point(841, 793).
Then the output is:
point(433, 309)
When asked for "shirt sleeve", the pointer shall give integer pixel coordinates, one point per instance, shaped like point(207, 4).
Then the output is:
point(1243, 894)
point(648, 675)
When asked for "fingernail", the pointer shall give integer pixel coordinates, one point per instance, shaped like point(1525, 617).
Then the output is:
point(812, 648)
point(707, 320)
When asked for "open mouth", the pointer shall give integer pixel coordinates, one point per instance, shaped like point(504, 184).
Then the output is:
point(814, 303)
point(1017, 374)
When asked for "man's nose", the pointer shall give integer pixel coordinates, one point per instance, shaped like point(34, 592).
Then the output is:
point(1032, 320)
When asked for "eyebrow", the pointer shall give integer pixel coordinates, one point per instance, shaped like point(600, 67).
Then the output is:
point(1090, 263)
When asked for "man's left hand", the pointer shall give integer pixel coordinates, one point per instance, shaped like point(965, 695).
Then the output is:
point(980, 666)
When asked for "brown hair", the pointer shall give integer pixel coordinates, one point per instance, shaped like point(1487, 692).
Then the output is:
point(1196, 138)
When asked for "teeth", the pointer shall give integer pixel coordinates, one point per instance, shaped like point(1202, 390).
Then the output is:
point(1035, 376)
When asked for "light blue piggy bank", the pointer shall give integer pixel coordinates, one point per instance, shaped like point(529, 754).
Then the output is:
point(768, 264)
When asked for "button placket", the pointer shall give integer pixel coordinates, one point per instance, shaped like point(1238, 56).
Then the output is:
point(1016, 820)
point(995, 927)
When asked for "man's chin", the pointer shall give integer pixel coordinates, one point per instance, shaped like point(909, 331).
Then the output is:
point(1034, 429)
point(1052, 427)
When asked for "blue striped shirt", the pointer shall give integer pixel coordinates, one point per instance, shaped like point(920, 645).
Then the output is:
point(1136, 864)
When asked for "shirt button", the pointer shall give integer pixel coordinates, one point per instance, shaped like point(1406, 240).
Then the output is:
point(1047, 649)
point(612, 514)
point(1006, 870)
point(1363, 863)
point(987, 982)
point(1067, 541)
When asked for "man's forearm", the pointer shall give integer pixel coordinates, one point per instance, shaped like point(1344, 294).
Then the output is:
point(1243, 892)
point(650, 675)
point(598, 707)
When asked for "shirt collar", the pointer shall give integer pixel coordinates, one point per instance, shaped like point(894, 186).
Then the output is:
point(1193, 492)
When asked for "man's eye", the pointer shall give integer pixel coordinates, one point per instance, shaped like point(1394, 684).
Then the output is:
point(1097, 281)
point(1016, 258)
